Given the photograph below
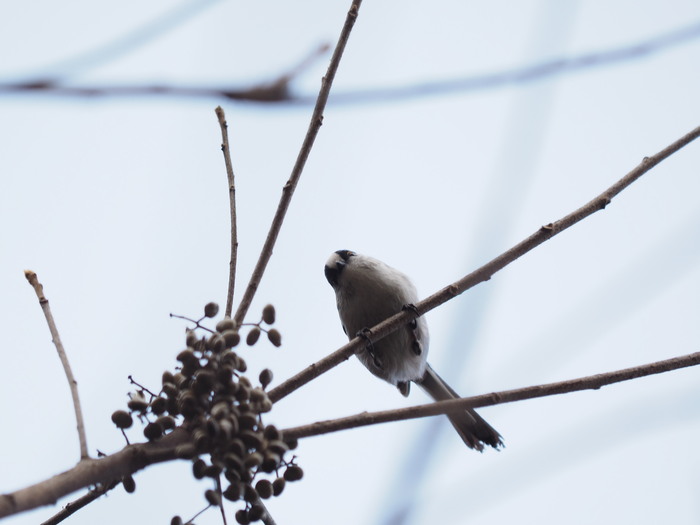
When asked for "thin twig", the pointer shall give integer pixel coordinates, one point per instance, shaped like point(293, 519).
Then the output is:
point(593, 382)
point(73, 384)
point(277, 90)
point(481, 274)
point(290, 186)
point(74, 506)
point(225, 148)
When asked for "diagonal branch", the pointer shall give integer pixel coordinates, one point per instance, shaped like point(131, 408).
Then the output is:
point(89, 472)
point(225, 148)
point(44, 302)
point(290, 186)
point(593, 382)
point(481, 274)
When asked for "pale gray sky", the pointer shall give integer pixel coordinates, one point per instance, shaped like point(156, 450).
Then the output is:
point(120, 205)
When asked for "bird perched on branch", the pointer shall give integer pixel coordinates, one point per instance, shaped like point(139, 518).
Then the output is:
point(367, 292)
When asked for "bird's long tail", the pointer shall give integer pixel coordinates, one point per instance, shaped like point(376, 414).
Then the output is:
point(471, 427)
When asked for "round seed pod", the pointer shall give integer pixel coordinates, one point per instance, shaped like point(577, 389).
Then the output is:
point(167, 377)
point(292, 443)
point(216, 343)
point(229, 427)
point(241, 365)
point(237, 447)
point(187, 358)
point(251, 439)
point(191, 339)
point(198, 468)
point(213, 428)
point(177, 520)
point(172, 406)
point(247, 420)
point(129, 484)
point(233, 476)
point(268, 314)
point(166, 422)
point(170, 390)
point(231, 338)
point(246, 476)
point(204, 381)
point(233, 462)
point(256, 511)
point(293, 473)
point(253, 336)
point(220, 410)
point(249, 493)
point(159, 405)
point(257, 395)
point(274, 337)
point(271, 432)
point(263, 406)
point(152, 431)
point(233, 492)
point(242, 392)
point(225, 324)
point(212, 497)
point(242, 517)
point(229, 359)
point(122, 419)
point(188, 371)
point(264, 488)
point(277, 446)
point(137, 402)
point(278, 486)
point(265, 377)
point(180, 380)
point(253, 460)
point(211, 309)
point(270, 462)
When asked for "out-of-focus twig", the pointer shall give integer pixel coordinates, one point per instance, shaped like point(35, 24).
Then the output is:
point(73, 384)
point(277, 90)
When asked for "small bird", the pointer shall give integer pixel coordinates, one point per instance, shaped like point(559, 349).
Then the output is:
point(367, 292)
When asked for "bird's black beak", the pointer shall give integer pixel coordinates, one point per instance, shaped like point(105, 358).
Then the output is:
point(333, 272)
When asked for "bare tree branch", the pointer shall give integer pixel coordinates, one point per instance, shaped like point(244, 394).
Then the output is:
point(481, 274)
point(88, 472)
point(593, 382)
point(277, 91)
point(130, 459)
point(72, 383)
point(225, 148)
point(290, 186)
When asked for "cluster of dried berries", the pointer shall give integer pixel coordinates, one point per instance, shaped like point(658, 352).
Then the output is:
point(222, 412)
